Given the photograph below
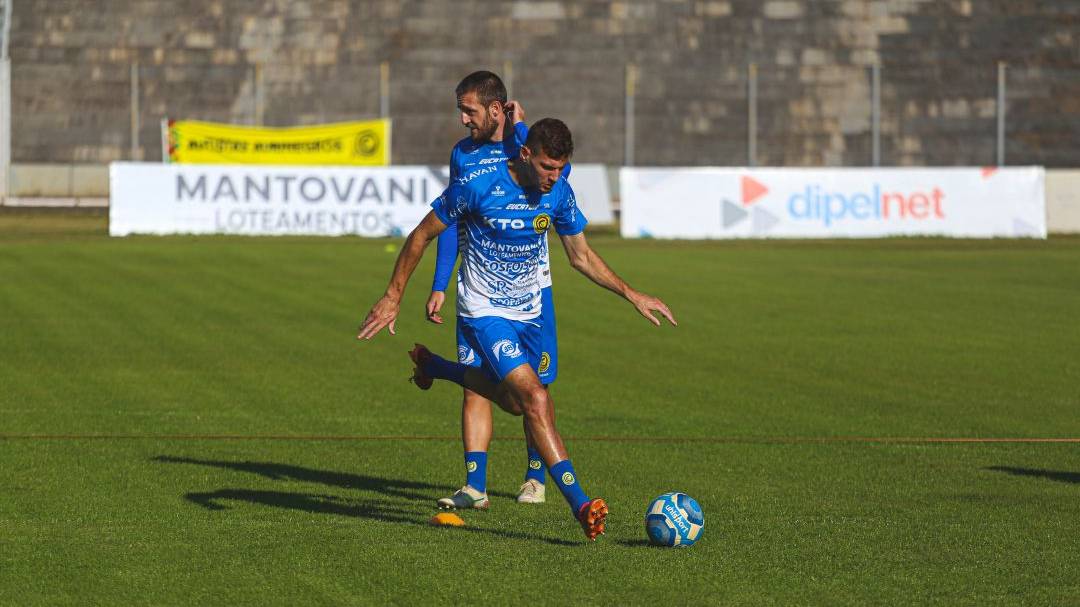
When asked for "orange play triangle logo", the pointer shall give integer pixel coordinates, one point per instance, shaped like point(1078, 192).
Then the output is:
point(988, 171)
point(752, 189)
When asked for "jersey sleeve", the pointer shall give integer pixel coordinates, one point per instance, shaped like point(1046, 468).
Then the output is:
point(569, 219)
point(446, 252)
point(453, 204)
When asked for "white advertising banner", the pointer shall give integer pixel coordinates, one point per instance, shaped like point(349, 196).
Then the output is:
point(832, 203)
point(590, 183)
point(153, 198)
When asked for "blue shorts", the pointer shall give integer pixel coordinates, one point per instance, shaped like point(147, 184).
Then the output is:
point(501, 345)
point(548, 366)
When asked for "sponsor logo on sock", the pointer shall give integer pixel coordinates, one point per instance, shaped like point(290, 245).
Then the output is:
point(535, 464)
point(567, 478)
point(471, 466)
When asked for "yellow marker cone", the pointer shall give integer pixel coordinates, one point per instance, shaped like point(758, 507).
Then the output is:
point(447, 519)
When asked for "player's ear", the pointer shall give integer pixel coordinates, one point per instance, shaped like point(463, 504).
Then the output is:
point(495, 108)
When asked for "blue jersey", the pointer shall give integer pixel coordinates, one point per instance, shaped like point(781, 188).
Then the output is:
point(468, 156)
point(506, 231)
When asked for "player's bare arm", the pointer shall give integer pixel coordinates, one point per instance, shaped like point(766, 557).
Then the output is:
point(385, 311)
point(587, 261)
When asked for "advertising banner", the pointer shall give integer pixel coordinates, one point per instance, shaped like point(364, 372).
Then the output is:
point(590, 183)
point(152, 198)
point(832, 203)
point(364, 143)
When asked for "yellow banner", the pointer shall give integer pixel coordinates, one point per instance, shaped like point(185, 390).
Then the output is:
point(341, 143)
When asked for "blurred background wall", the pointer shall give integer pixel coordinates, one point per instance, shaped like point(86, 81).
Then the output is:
point(74, 64)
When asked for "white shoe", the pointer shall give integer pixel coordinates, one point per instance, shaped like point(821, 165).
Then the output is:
point(532, 492)
point(464, 498)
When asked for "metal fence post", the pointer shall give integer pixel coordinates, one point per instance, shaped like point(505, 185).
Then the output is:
point(1001, 114)
point(384, 89)
point(751, 110)
point(508, 77)
point(136, 150)
point(5, 102)
point(5, 127)
point(875, 114)
point(628, 141)
point(257, 86)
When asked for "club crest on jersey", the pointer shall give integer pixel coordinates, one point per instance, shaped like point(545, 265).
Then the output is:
point(541, 223)
point(465, 355)
point(505, 347)
point(462, 204)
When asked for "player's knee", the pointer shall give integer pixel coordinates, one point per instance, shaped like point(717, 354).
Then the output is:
point(535, 400)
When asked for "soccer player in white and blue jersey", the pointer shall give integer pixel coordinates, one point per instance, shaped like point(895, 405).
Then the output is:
point(481, 99)
point(506, 209)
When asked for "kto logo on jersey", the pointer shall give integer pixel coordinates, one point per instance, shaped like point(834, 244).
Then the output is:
point(541, 223)
point(505, 347)
point(502, 223)
point(491, 160)
point(465, 355)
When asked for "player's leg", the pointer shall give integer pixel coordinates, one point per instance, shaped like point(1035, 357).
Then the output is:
point(532, 489)
point(523, 385)
point(475, 438)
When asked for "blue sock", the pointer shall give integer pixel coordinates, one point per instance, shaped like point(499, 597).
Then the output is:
point(440, 368)
point(536, 469)
point(476, 470)
point(563, 473)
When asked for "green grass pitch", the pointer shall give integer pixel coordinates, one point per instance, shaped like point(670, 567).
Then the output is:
point(191, 421)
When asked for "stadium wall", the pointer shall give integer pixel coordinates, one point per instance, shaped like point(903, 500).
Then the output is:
point(307, 61)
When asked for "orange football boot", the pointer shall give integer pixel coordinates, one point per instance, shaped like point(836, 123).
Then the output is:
point(592, 515)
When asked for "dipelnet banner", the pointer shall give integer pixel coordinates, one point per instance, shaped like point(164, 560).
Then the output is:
point(365, 143)
point(702, 203)
point(154, 198)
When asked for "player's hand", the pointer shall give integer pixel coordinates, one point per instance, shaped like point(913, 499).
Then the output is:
point(434, 304)
point(647, 304)
point(515, 111)
point(383, 313)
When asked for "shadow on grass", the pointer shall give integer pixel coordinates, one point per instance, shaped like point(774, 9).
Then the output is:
point(379, 510)
point(332, 504)
point(412, 490)
point(1054, 475)
point(635, 544)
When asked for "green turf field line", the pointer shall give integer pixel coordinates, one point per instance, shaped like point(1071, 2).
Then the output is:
point(614, 439)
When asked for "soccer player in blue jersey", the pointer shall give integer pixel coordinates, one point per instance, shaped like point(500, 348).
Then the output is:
point(506, 208)
point(481, 98)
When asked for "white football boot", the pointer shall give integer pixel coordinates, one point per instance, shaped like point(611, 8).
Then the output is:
point(532, 492)
point(465, 498)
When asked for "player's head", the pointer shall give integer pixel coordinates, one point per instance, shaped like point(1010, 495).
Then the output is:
point(547, 149)
point(481, 97)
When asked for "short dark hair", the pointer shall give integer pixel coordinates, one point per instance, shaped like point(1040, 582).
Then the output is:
point(553, 136)
point(488, 87)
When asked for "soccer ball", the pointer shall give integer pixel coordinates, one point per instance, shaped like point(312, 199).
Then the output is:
point(674, 519)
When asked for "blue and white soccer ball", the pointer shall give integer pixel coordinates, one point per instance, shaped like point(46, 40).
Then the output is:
point(674, 519)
